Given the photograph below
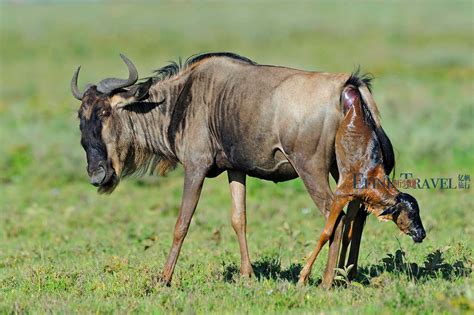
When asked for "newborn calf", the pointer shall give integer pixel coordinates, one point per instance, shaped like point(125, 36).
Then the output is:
point(362, 177)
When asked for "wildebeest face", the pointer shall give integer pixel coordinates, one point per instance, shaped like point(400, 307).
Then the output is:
point(94, 116)
point(406, 214)
point(99, 123)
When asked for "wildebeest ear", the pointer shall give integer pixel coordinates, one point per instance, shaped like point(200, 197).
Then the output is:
point(390, 210)
point(121, 100)
point(140, 91)
point(134, 94)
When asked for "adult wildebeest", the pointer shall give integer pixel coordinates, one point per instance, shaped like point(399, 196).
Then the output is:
point(219, 112)
point(360, 155)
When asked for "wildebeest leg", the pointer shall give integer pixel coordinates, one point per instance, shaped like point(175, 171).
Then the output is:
point(334, 245)
point(352, 211)
point(239, 220)
point(315, 176)
point(192, 189)
point(335, 215)
point(334, 242)
point(357, 229)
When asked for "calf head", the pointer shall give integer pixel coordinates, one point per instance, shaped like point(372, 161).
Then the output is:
point(406, 214)
point(100, 124)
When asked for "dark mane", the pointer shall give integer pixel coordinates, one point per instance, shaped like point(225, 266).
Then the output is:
point(198, 57)
point(174, 67)
point(356, 79)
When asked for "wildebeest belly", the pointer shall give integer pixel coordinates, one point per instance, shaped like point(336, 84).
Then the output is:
point(271, 165)
point(279, 172)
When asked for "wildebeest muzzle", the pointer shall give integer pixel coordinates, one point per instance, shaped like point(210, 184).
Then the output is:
point(101, 173)
point(417, 234)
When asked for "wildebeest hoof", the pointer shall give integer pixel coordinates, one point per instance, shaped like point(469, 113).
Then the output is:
point(301, 282)
point(246, 273)
point(161, 281)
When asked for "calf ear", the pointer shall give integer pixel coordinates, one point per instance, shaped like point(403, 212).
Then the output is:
point(391, 210)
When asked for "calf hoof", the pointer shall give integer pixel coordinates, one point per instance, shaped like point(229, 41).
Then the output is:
point(352, 273)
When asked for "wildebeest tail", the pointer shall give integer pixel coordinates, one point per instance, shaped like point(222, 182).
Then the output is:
point(371, 113)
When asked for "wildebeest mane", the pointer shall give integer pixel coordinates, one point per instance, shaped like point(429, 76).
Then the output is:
point(138, 161)
point(175, 67)
point(143, 160)
point(357, 79)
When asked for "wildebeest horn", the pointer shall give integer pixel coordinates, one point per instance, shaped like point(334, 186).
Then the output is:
point(108, 85)
point(74, 89)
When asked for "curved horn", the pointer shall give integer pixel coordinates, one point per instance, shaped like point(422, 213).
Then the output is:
point(108, 85)
point(74, 89)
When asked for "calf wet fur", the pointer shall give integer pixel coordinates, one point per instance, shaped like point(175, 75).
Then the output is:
point(360, 151)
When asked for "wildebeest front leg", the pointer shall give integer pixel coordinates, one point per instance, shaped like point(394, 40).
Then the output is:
point(192, 189)
point(335, 215)
point(239, 220)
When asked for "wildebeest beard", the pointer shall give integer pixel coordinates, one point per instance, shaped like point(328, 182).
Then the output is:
point(146, 135)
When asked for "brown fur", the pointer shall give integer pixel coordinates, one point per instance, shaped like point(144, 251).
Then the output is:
point(223, 112)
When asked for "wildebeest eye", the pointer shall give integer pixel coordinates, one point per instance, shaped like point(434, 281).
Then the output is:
point(102, 113)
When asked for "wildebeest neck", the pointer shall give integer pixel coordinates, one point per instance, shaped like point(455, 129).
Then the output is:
point(146, 124)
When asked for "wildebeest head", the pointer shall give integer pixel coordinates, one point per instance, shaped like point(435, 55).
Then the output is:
point(99, 124)
point(406, 214)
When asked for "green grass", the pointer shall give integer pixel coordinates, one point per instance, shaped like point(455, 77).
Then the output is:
point(63, 248)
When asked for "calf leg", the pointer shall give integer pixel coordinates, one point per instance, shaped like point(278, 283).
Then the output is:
point(357, 229)
point(346, 239)
point(352, 211)
point(239, 220)
point(192, 189)
point(335, 215)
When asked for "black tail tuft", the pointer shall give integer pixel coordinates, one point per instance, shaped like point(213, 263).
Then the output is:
point(357, 79)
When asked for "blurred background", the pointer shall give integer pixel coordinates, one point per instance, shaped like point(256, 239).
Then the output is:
point(421, 54)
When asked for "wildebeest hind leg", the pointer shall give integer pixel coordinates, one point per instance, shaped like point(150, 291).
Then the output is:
point(239, 220)
point(333, 254)
point(316, 180)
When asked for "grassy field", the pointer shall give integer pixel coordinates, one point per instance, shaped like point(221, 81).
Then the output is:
point(66, 249)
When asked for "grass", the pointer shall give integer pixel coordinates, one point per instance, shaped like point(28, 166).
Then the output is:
point(65, 249)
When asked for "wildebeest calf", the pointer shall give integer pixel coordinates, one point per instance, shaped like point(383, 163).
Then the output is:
point(363, 177)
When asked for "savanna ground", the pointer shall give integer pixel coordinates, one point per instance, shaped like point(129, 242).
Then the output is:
point(64, 248)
